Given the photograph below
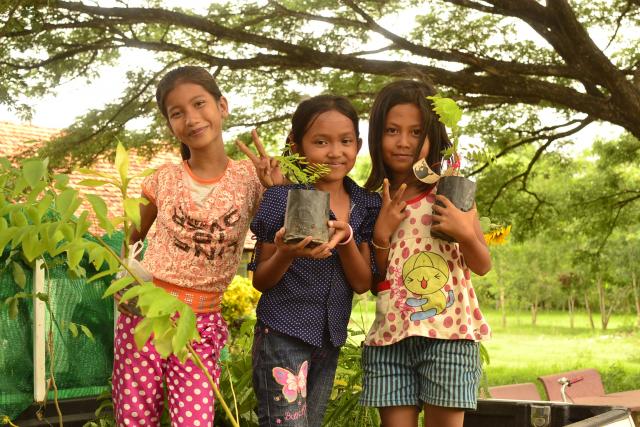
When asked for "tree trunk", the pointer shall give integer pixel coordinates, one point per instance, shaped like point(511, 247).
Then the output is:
point(534, 311)
point(604, 314)
point(503, 309)
point(588, 307)
point(571, 305)
point(636, 297)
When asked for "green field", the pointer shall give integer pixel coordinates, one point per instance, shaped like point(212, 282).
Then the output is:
point(521, 352)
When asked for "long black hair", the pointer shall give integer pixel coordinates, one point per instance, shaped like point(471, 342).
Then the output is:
point(404, 92)
point(185, 74)
point(308, 111)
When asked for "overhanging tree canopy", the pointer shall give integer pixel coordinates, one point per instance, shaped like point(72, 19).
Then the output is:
point(505, 59)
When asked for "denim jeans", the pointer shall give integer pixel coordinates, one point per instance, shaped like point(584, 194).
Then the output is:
point(292, 379)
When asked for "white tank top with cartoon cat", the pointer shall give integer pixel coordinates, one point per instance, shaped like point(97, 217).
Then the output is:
point(428, 290)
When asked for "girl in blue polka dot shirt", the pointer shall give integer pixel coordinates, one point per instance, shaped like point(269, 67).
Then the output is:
point(307, 291)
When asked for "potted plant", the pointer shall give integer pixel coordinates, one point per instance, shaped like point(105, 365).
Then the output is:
point(459, 190)
point(307, 212)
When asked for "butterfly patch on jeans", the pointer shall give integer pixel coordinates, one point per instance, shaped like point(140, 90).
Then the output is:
point(291, 383)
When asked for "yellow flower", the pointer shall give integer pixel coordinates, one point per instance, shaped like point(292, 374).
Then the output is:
point(498, 236)
point(240, 299)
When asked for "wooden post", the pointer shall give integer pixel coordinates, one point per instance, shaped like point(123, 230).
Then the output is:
point(39, 336)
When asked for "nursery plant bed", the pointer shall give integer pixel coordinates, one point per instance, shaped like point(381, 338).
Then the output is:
point(75, 413)
point(517, 413)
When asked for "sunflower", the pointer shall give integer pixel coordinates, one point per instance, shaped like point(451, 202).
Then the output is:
point(497, 236)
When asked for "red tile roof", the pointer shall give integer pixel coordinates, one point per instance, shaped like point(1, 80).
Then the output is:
point(17, 140)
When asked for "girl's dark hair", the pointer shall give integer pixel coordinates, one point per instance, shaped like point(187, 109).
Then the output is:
point(185, 74)
point(404, 92)
point(309, 110)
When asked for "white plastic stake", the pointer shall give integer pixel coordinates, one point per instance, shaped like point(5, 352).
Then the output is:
point(39, 336)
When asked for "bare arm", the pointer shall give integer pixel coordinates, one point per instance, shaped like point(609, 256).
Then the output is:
point(276, 258)
point(391, 215)
point(465, 228)
point(354, 259)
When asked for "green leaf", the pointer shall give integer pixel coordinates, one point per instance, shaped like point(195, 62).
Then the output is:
point(122, 163)
point(163, 343)
point(5, 236)
point(18, 219)
point(101, 275)
point(18, 275)
point(100, 208)
point(186, 329)
point(92, 183)
point(33, 171)
point(145, 173)
point(143, 331)
point(92, 172)
point(31, 246)
point(62, 181)
point(13, 308)
point(67, 202)
point(73, 329)
point(44, 204)
point(118, 285)
point(132, 210)
point(87, 332)
point(74, 256)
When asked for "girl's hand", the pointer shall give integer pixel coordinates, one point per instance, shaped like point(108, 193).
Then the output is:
point(391, 214)
point(268, 169)
point(454, 222)
point(300, 249)
point(339, 231)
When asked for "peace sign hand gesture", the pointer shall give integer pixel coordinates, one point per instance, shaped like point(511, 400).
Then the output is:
point(391, 214)
point(268, 169)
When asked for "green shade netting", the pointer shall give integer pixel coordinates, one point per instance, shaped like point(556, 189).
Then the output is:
point(82, 366)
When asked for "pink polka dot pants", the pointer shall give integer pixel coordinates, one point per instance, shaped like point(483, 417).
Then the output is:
point(138, 376)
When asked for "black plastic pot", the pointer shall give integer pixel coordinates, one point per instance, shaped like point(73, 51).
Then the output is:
point(461, 192)
point(307, 215)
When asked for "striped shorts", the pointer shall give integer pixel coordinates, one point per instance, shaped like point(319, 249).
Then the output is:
point(419, 370)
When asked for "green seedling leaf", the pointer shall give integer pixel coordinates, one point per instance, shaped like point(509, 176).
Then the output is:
point(33, 171)
point(18, 275)
point(447, 110)
point(42, 297)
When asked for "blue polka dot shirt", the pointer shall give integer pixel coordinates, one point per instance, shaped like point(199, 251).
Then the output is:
point(312, 301)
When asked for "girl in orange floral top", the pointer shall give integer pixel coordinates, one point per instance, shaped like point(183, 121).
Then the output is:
point(202, 209)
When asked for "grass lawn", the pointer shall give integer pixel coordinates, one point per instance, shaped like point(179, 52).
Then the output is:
point(521, 352)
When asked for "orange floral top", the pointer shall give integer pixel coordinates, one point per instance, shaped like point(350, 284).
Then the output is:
point(197, 246)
